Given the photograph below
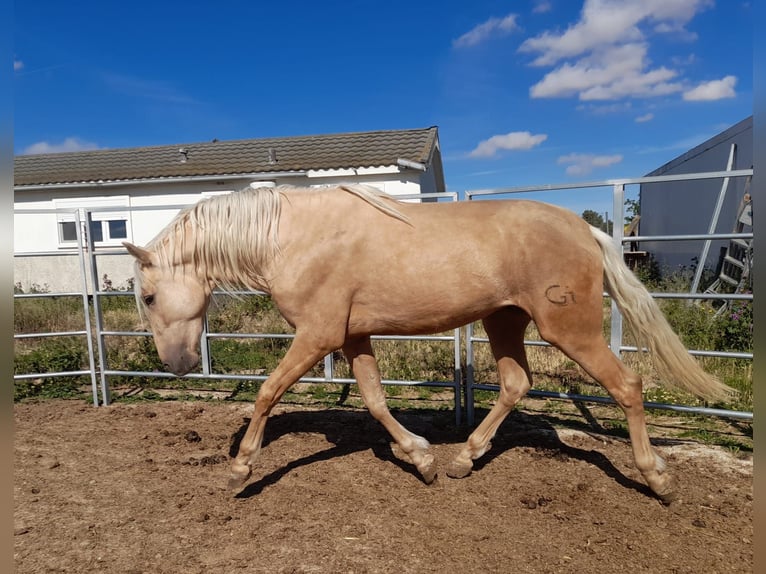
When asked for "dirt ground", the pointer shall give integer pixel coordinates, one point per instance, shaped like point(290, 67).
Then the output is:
point(140, 487)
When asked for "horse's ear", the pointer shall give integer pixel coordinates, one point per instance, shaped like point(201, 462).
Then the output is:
point(143, 256)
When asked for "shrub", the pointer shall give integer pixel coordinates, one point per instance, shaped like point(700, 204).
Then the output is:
point(693, 323)
point(734, 329)
point(51, 356)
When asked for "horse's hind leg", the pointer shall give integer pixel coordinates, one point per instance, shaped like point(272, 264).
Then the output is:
point(415, 448)
point(505, 329)
point(588, 348)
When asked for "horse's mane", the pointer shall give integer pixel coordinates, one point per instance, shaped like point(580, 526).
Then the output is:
point(233, 237)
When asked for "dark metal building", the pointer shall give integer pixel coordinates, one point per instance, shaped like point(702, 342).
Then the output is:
point(688, 207)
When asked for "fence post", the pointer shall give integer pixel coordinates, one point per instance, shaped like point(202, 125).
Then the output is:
point(458, 378)
point(469, 378)
point(86, 309)
point(97, 312)
point(204, 346)
point(618, 204)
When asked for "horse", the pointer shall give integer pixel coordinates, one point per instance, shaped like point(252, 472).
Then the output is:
point(343, 263)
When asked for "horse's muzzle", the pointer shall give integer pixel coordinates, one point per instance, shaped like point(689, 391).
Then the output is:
point(182, 364)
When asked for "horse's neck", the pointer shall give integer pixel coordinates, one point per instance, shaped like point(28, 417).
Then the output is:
point(229, 268)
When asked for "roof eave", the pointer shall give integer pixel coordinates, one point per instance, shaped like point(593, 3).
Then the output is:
point(151, 180)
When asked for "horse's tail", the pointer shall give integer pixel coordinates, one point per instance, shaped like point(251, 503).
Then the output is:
point(676, 367)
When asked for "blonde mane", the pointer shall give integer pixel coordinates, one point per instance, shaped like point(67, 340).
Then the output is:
point(232, 238)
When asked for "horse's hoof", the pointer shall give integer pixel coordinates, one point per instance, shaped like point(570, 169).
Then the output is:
point(663, 487)
point(240, 474)
point(428, 471)
point(668, 497)
point(459, 470)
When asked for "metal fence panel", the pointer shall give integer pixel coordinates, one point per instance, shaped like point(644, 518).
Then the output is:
point(463, 383)
point(616, 332)
point(83, 294)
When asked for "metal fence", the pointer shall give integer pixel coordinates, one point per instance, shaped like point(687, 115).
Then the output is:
point(82, 294)
point(462, 384)
point(101, 371)
point(616, 330)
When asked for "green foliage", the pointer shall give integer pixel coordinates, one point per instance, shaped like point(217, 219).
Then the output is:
point(632, 210)
point(648, 271)
point(691, 322)
point(597, 220)
point(734, 328)
point(242, 357)
point(51, 356)
point(415, 360)
point(142, 356)
point(700, 328)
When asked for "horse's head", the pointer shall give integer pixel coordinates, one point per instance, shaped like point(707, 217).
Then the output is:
point(175, 302)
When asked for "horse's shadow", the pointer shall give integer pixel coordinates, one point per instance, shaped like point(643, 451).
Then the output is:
point(355, 431)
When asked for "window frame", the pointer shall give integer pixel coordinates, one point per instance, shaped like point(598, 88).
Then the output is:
point(104, 211)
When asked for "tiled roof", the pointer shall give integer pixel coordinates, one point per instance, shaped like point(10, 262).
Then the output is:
point(270, 155)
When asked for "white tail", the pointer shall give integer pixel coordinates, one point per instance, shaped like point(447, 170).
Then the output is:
point(676, 367)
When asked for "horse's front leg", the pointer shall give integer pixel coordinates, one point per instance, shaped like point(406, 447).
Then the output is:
point(300, 357)
point(414, 448)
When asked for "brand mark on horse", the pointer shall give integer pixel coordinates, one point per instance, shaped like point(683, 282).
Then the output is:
point(559, 295)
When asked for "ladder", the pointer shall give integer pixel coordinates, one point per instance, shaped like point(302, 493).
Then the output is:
point(737, 261)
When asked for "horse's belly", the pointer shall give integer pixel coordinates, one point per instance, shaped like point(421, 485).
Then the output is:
point(416, 315)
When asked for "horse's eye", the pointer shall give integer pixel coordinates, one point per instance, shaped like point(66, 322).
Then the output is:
point(148, 300)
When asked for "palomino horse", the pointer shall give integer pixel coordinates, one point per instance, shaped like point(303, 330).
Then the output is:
point(348, 262)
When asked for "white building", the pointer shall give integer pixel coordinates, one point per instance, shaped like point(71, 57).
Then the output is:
point(125, 189)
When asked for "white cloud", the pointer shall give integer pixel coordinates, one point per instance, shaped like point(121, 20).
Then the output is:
point(17, 65)
point(542, 6)
point(516, 141)
point(603, 56)
point(645, 118)
point(69, 144)
point(714, 90)
point(583, 164)
point(608, 75)
point(489, 28)
point(607, 22)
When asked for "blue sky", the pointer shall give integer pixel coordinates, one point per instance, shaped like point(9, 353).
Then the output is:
point(524, 93)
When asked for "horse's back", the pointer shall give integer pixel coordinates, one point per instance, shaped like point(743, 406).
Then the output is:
point(447, 264)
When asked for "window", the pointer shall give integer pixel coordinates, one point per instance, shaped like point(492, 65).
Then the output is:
point(67, 231)
point(118, 228)
point(107, 227)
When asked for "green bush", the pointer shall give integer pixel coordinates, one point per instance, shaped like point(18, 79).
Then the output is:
point(734, 328)
point(251, 356)
point(693, 323)
point(51, 356)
